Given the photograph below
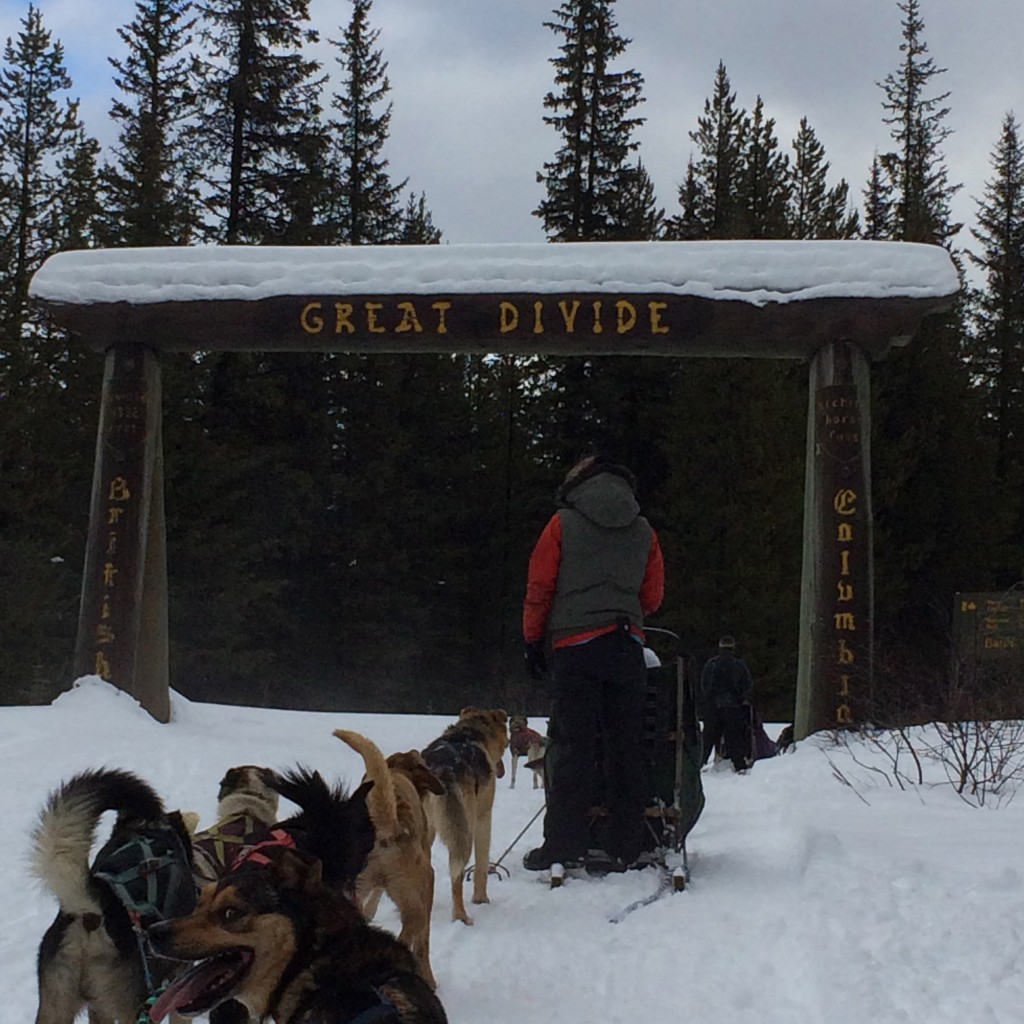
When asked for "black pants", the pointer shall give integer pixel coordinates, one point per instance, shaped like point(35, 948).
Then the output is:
point(733, 726)
point(598, 709)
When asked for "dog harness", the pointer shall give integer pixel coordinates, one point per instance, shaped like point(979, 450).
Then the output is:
point(521, 738)
point(380, 1011)
point(452, 753)
point(277, 838)
point(223, 844)
point(384, 1012)
point(150, 873)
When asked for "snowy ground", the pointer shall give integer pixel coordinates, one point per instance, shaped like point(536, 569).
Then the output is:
point(810, 901)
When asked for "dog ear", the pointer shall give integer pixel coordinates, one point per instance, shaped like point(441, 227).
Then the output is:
point(300, 872)
point(228, 783)
point(190, 819)
point(425, 780)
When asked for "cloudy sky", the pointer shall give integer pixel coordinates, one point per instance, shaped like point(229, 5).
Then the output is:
point(468, 78)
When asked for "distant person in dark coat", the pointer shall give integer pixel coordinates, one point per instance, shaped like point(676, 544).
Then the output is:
point(726, 688)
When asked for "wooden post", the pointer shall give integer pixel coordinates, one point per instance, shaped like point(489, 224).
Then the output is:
point(835, 671)
point(122, 626)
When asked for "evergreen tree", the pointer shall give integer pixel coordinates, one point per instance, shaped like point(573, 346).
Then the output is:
point(48, 426)
point(75, 219)
point(418, 224)
point(150, 191)
point(815, 209)
point(713, 190)
point(878, 212)
point(260, 128)
point(930, 540)
point(592, 114)
point(687, 226)
point(764, 179)
point(367, 202)
point(917, 124)
point(39, 132)
point(636, 216)
point(998, 355)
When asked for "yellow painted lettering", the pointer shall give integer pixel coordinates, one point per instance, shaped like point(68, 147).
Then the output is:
point(442, 309)
point(598, 327)
point(655, 308)
point(845, 533)
point(844, 716)
point(844, 563)
point(845, 655)
point(343, 318)
point(371, 318)
point(538, 324)
point(508, 317)
point(845, 620)
point(310, 319)
point(119, 489)
point(410, 321)
point(845, 591)
point(625, 316)
point(845, 502)
point(569, 314)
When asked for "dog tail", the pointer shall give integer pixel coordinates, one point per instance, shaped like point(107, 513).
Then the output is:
point(447, 813)
point(64, 836)
point(382, 801)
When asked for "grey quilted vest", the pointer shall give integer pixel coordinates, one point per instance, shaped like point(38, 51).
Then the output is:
point(605, 546)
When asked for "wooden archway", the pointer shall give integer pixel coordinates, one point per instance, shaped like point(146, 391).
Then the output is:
point(836, 305)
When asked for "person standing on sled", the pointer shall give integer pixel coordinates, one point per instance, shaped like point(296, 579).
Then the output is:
point(726, 687)
point(595, 573)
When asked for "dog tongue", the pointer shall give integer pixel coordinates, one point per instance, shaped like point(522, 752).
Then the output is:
point(185, 989)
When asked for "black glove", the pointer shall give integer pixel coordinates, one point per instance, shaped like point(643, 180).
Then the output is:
point(536, 662)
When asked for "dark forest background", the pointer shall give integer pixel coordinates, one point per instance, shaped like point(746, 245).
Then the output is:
point(352, 532)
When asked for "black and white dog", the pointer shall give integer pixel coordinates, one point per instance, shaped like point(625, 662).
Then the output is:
point(93, 956)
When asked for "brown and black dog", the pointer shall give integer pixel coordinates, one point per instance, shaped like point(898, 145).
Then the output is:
point(399, 863)
point(291, 949)
point(466, 757)
point(525, 742)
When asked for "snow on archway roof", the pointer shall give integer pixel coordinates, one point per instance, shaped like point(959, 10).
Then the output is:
point(756, 272)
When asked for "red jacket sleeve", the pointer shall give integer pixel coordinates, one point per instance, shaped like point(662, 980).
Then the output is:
point(541, 580)
point(652, 590)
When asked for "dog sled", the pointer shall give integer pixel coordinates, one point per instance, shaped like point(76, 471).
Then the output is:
point(672, 762)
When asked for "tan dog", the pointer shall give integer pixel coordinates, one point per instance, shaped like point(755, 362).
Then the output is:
point(467, 759)
point(525, 742)
point(400, 861)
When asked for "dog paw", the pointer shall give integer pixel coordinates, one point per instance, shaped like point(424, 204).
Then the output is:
point(481, 899)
